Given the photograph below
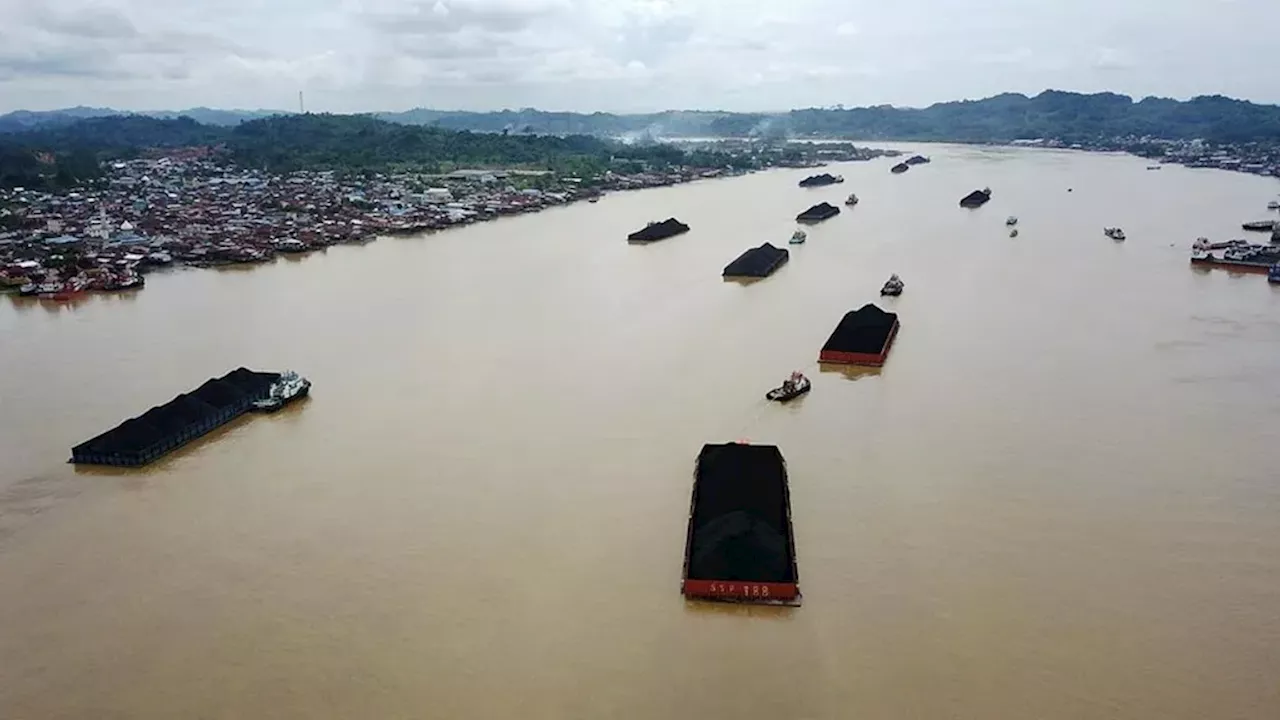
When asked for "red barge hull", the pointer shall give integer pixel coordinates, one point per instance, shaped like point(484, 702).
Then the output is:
point(1235, 265)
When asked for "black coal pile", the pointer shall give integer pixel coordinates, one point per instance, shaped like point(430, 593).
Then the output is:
point(864, 330)
point(658, 231)
point(818, 213)
point(821, 180)
point(758, 262)
point(140, 440)
point(977, 198)
point(741, 520)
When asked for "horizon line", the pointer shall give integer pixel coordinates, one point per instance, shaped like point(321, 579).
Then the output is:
point(834, 106)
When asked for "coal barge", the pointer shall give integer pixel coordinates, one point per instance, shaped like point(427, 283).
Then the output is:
point(976, 199)
point(165, 428)
point(655, 231)
point(863, 337)
point(818, 213)
point(758, 262)
point(821, 180)
point(917, 160)
point(740, 546)
point(899, 168)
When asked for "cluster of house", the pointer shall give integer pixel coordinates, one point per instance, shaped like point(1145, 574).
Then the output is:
point(194, 210)
point(1255, 158)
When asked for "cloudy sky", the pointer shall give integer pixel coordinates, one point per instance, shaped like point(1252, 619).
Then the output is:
point(622, 55)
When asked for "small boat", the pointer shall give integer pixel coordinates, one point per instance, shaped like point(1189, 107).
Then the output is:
point(1273, 205)
point(792, 388)
point(1154, 167)
point(1114, 233)
point(798, 237)
point(1011, 220)
point(289, 387)
point(893, 286)
point(594, 199)
point(1259, 225)
point(1273, 274)
point(851, 200)
point(1013, 232)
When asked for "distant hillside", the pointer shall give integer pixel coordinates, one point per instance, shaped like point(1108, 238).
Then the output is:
point(671, 123)
point(23, 120)
point(305, 142)
point(1051, 114)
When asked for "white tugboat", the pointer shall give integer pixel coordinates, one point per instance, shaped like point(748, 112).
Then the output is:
point(798, 237)
point(1011, 220)
point(1114, 233)
point(289, 387)
point(851, 200)
point(793, 387)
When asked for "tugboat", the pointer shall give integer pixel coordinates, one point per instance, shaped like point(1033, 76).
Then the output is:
point(1011, 221)
point(1013, 232)
point(798, 237)
point(1114, 233)
point(893, 286)
point(792, 388)
point(851, 200)
point(289, 387)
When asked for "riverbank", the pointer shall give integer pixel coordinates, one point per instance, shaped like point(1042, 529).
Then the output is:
point(187, 208)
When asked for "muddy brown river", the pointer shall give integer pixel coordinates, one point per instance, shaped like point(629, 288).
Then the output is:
point(1059, 499)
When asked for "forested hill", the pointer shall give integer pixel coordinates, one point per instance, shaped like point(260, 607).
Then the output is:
point(63, 155)
point(1051, 114)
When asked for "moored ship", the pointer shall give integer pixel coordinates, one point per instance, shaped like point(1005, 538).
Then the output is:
point(1236, 255)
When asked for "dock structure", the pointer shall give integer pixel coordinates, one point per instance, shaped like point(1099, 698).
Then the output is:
point(164, 428)
point(863, 337)
point(740, 546)
point(758, 262)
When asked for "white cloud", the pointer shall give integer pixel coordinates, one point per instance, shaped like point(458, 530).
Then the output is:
point(619, 55)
